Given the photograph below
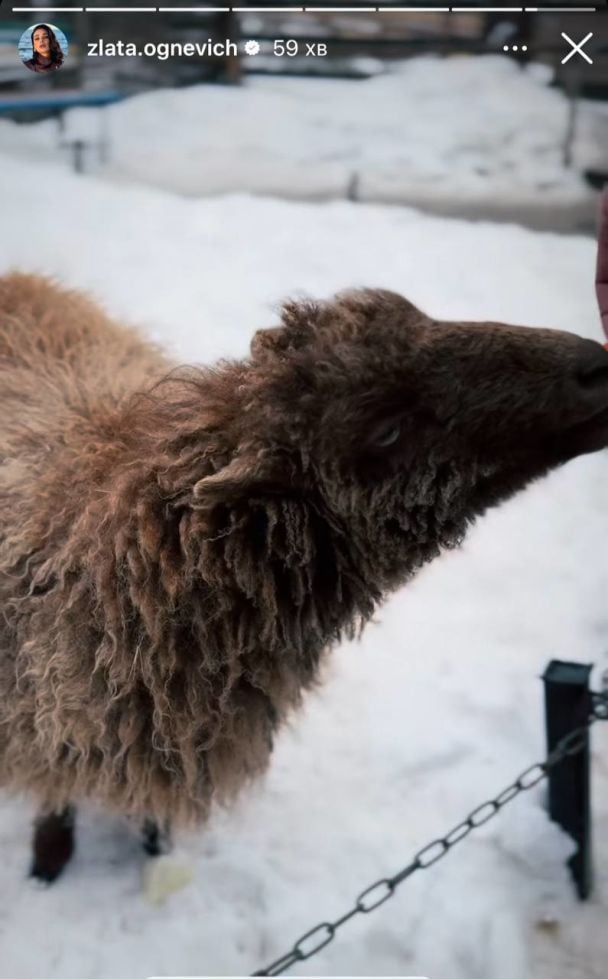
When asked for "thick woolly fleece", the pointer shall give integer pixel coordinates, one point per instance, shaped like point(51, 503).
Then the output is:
point(180, 546)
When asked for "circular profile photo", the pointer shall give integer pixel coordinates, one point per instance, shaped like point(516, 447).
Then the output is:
point(43, 48)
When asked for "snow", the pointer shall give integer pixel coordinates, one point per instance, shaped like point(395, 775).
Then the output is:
point(439, 706)
point(418, 134)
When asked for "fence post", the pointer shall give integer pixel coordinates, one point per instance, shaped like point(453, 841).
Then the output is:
point(567, 705)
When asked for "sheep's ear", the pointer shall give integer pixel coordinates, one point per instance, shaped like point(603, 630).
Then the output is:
point(298, 320)
point(241, 476)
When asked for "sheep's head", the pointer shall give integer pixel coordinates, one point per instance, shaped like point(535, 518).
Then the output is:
point(400, 428)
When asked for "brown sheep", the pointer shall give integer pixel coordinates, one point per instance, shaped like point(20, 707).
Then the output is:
point(179, 547)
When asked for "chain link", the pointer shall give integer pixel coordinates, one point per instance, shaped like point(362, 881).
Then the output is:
point(378, 893)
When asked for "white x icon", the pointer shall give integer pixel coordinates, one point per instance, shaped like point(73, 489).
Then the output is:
point(577, 48)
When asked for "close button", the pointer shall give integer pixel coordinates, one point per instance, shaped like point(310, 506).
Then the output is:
point(577, 48)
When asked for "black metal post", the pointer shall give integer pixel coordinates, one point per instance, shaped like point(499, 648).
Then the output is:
point(567, 705)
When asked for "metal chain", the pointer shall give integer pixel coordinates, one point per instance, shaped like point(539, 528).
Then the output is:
point(375, 895)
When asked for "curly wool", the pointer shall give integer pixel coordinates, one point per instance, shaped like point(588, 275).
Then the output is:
point(180, 546)
point(149, 647)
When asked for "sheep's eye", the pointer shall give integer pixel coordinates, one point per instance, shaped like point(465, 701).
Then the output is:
point(388, 436)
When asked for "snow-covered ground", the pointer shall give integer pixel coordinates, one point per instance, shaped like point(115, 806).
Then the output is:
point(439, 706)
point(460, 135)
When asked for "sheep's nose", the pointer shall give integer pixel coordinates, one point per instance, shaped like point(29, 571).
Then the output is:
point(591, 367)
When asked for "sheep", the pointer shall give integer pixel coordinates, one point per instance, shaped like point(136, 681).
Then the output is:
point(180, 547)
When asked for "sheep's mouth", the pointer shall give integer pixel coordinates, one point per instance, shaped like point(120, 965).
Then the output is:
point(588, 435)
point(502, 477)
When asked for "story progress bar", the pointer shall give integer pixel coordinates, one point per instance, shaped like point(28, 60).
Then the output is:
point(300, 10)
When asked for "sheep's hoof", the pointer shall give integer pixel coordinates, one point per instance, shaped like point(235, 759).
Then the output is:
point(45, 874)
point(156, 840)
point(53, 844)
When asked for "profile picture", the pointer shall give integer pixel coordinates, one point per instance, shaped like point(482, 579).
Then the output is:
point(43, 48)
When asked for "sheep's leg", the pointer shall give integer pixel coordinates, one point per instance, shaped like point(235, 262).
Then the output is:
point(53, 843)
point(156, 840)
